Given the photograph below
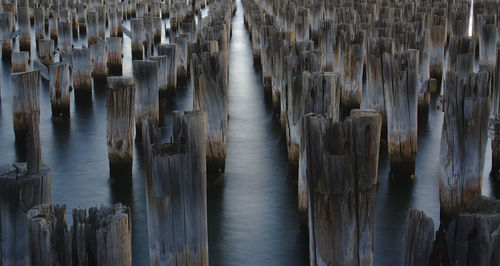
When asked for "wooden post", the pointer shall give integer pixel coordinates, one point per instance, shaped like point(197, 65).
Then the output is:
point(437, 39)
point(20, 61)
point(419, 238)
point(53, 29)
point(146, 92)
point(120, 98)
point(463, 140)
point(176, 183)
point(23, 20)
point(342, 164)
point(302, 24)
point(65, 41)
point(82, 18)
point(488, 41)
point(169, 50)
point(401, 98)
point(22, 186)
point(25, 99)
point(115, 55)
point(74, 23)
point(5, 31)
point(211, 96)
point(39, 24)
point(92, 28)
point(351, 69)
point(375, 92)
point(157, 23)
point(99, 62)
point(101, 21)
point(60, 91)
point(182, 60)
point(137, 43)
point(114, 20)
point(320, 95)
point(494, 121)
point(106, 231)
point(82, 74)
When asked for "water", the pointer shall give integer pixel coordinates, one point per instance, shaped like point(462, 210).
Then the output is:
point(252, 214)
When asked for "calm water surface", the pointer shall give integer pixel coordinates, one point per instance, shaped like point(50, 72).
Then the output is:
point(252, 214)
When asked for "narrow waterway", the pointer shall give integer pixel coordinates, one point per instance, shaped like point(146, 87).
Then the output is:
point(252, 213)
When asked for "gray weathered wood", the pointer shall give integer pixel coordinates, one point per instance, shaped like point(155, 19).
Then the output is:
point(146, 92)
point(33, 144)
point(20, 61)
point(401, 98)
point(46, 52)
point(92, 28)
point(342, 187)
point(25, 99)
point(137, 39)
point(419, 239)
point(176, 192)
point(169, 50)
point(120, 106)
point(463, 140)
point(82, 74)
point(99, 56)
point(115, 55)
point(60, 93)
point(6, 25)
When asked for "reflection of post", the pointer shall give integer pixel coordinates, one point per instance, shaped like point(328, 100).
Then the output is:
point(120, 108)
point(176, 192)
point(342, 164)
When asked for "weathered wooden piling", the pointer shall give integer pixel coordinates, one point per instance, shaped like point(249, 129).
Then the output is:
point(320, 95)
point(146, 93)
point(60, 93)
point(469, 238)
point(22, 186)
point(115, 55)
point(137, 43)
point(39, 24)
point(488, 41)
point(65, 40)
point(494, 121)
point(342, 162)
point(82, 18)
point(20, 61)
point(53, 29)
point(352, 60)
point(23, 21)
point(182, 60)
point(74, 23)
point(211, 96)
point(114, 20)
point(176, 182)
point(419, 239)
point(92, 27)
point(101, 21)
point(101, 237)
point(302, 29)
point(401, 99)
point(120, 98)
point(436, 50)
point(25, 99)
point(463, 140)
point(99, 56)
point(169, 50)
point(82, 74)
point(6, 25)
point(375, 92)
